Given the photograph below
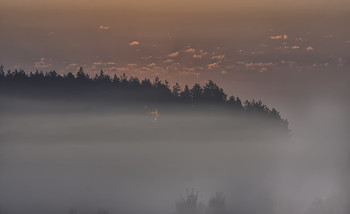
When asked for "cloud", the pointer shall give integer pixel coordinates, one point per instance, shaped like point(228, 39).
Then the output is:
point(191, 69)
point(256, 64)
point(223, 72)
point(121, 69)
point(274, 37)
point(218, 57)
point(134, 43)
point(259, 66)
point(132, 64)
point(309, 48)
point(50, 33)
point(186, 73)
point(213, 65)
point(347, 41)
point(174, 54)
point(71, 65)
point(190, 50)
point(97, 63)
point(168, 61)
point(295, 47)
point(146, 57)
point(152, 64)
point(107, 66)
point(41, 63)
point(263, 69)
point(104, 27)
point(200, 54)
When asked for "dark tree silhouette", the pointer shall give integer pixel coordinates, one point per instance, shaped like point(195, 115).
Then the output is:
point(196, 93)
point(121, 88)
point(213, 93)
point(185, 95)
point(176, 90)
point(235, 103)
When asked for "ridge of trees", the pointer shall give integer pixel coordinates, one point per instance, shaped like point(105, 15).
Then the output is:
point(157, 90)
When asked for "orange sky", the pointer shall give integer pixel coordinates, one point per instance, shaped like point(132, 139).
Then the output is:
point(189, 5)
point(256, 49)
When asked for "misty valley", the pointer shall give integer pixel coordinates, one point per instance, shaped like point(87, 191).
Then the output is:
point(76, 144)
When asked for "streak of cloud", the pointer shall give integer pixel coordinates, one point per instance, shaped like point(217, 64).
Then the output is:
point(190, 50)
point(134, 43)
point(309, 48)
point(104, 27)
point(168, 61)
point(200, 55)
point(212, 65)
point(41, 63)
point(174, 54)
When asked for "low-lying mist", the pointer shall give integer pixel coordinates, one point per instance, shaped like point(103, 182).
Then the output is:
point(81, 157)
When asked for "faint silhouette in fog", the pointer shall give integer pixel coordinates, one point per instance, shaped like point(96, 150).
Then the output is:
point(191, 205)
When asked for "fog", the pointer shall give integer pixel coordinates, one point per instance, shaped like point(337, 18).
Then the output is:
point(57, 156)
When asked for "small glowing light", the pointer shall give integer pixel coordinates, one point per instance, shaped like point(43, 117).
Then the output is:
point(152, 111)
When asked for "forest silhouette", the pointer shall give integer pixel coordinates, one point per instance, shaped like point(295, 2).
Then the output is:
point(123, 89)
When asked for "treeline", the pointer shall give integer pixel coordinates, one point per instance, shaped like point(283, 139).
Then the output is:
point(123, 88)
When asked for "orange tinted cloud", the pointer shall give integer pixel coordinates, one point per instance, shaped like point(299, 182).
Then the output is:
point(309, 48)
point(134, 43)
point(104, 27)
point(190, 50)
point(175, 54)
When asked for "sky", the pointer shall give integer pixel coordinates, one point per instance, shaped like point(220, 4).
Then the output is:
point(277, 51)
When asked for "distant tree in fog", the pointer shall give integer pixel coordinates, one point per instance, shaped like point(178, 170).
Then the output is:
point(189, 204)
point(217, 204)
